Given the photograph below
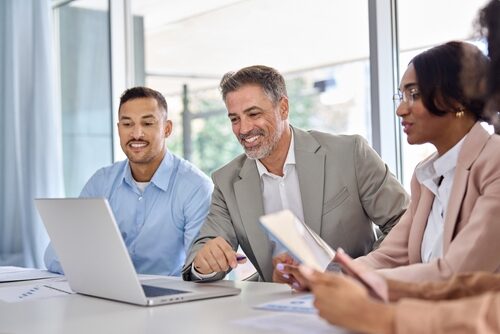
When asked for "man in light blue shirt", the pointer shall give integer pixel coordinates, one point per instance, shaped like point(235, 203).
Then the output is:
point(159, 200)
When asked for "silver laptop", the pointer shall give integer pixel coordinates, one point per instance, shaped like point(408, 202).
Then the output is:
point(96, 262)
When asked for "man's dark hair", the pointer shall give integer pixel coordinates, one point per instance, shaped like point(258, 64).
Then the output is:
point(144, 92)
point(271, 81)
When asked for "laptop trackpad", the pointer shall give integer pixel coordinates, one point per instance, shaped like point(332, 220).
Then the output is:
point(154, 291)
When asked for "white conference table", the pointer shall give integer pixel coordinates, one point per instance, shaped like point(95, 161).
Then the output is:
point(74, 313)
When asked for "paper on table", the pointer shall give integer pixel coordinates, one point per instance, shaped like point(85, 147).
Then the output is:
point(19, 293)
point(300, 304)
point(14, 274)
point(299, 239)
point(290, 323)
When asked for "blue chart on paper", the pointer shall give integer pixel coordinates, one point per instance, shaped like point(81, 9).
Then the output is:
point(300, 304)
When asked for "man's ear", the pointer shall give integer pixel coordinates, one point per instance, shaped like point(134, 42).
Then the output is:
point(284, 107)
point(168, 128)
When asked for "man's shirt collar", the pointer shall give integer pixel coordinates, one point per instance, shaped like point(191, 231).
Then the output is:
point(290, 159)
point(160, 178)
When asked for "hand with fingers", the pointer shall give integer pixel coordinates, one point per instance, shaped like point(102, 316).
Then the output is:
point(286, 270)
point(374, 282)
point(216, 256)
point(344, 301)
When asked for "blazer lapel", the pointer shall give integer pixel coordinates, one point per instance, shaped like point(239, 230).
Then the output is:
point(419, 224)
point(310, 166)
point(472, 147)
point(454, 204)
point(250, 204)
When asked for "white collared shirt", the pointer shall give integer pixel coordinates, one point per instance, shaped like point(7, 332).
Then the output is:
point(281, 192)
point(429, 175)
point(278, 193)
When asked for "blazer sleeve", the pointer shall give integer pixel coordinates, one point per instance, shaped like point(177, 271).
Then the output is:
point(382, 196)
point(217, 223)
point(460, 286)
point(393, 252)
point(472, 315)
point(475, 246)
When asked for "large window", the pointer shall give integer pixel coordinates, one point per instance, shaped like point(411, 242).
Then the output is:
point(82, 30)
point(183, 49)
point(421, 28)
point(189, 46)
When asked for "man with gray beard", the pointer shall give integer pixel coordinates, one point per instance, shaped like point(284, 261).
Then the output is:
point(337, 185)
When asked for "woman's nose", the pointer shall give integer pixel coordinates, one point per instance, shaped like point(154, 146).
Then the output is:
point(402, 109)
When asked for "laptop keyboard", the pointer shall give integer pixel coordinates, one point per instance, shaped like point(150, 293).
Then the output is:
point(155, 291)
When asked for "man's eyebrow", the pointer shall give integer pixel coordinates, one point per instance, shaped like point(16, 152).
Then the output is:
point(252, 108)
point(247, 110)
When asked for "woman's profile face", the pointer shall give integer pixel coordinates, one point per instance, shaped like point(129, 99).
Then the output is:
point(418, 123)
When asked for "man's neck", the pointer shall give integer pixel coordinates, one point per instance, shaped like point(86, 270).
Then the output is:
point(275, 162)
point(144, 172)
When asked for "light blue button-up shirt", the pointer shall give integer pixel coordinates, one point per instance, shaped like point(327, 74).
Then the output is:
point(158, 225)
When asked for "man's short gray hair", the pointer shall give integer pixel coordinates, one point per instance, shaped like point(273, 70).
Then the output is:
point(271, 81)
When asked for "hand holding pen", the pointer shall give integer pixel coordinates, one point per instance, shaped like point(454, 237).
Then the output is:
point(217, 256)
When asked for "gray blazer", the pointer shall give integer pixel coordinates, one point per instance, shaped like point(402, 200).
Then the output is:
point(344, 185)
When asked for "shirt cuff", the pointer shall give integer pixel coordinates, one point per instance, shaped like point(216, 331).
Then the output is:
point(199, 275)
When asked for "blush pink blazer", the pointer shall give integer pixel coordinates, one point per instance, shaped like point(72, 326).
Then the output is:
point(471, 237)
